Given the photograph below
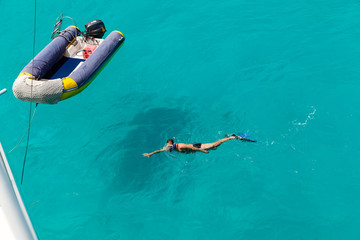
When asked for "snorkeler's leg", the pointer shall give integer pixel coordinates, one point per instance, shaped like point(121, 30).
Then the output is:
point(216, 144)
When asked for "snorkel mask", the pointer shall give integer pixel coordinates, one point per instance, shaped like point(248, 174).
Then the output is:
point(171, 147)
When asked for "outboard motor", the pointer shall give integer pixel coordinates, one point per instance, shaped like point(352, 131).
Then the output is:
point(95, 28)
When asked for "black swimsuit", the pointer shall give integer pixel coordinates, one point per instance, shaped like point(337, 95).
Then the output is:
point(197, 145)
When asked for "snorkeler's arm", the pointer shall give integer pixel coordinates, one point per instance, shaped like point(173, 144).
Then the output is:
point(157, 151)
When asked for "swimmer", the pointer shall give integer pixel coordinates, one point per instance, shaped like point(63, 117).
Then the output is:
point(172, 145)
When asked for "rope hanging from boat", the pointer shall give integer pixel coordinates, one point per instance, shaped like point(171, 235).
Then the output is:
point(30, 110)
point(28, 138)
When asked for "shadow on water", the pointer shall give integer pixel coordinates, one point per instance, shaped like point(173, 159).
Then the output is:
point(150, 130)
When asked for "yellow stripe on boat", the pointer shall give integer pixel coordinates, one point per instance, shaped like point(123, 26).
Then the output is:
point(119, 32)
point(25, 73)
point(73, 92)
point(75, 27)
point(69, 83)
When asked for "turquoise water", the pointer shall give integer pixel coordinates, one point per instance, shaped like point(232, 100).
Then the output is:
point(287, 73)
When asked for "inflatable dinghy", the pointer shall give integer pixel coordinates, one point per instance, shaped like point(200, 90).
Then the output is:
point(68, 64)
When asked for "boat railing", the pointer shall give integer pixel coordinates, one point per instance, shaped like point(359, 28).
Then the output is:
point(14, 220)
point(3, 91)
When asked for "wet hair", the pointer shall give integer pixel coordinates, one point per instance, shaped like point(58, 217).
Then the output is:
point(170, 141)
